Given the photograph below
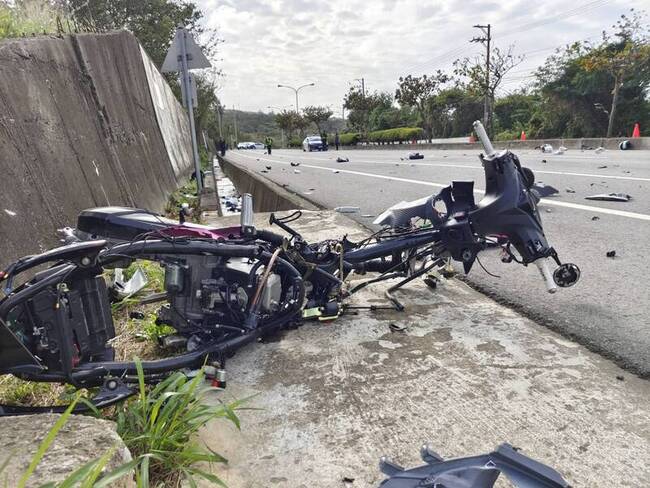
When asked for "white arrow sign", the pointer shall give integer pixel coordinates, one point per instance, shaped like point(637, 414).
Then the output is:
point(195, 58)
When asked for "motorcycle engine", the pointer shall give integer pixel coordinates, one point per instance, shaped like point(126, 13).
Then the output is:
point(206, 291)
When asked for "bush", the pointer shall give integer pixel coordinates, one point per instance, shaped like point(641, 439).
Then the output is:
point(508, 135)
point(349, 139)
point(399, 134)
point(295, 142)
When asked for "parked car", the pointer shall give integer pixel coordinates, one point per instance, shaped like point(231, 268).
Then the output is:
point(313, 143)
point(245, 145)
point(258, 145)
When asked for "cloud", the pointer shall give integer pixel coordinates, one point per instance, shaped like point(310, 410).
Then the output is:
point(332, 43)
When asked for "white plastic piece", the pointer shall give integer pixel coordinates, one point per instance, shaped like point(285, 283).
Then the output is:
point(347, 209)
point(544, 269)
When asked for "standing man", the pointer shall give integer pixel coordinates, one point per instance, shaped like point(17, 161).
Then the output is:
point(337, 141)
point(269, 144)
point(222, 147)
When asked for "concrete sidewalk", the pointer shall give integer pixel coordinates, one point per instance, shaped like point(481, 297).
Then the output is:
point(467, 375)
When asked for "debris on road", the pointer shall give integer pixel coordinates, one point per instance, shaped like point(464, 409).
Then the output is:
point(560, 150)
point(620, 377)
point(347, 479)
point(347, 209)
point(342, 160)
point(625, 145)
point(367, 216)
point(546, 148)
point(544, 161)
point(570, 190)
point(10, 213)
point(416, 155)
point(548, 210)
point(336, 171)
point(397, 327)
point(544, 190)
point(294, 164)
point(599, 149)
point(595, 217)
point(268, 167)
point(264, 171)
point(296, 171)
point(610, 197)
point(611, 254)
point(602, 167)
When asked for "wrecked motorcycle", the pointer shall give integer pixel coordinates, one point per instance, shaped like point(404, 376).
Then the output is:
point(228, 287)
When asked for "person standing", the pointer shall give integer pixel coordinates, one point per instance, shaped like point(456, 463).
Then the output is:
point(222, 147)
point(337, 141)
point(269, 144)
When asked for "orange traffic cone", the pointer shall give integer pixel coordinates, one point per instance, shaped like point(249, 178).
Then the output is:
point(637, 131)
point(523, 135)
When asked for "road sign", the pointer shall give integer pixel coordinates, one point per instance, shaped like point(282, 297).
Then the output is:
point(184, 54)
point(195, 57)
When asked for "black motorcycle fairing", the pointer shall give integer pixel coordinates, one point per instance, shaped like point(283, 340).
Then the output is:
point(509, 208)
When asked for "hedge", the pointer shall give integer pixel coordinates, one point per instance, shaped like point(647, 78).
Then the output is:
point(348, 139)
point(295, 142)
point(399, 134)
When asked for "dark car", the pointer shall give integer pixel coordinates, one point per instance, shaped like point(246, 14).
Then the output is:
point(313, 143)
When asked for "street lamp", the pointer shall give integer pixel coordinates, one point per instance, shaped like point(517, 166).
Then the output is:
point(278, 108)
point(296, 90)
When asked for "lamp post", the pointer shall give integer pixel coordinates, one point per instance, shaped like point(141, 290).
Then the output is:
point(296, 90)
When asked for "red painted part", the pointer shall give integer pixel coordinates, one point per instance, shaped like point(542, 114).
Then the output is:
point(637, 130)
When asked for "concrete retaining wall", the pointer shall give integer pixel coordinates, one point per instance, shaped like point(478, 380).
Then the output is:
point(78, 129)
point(612, 143)
point(267, 195)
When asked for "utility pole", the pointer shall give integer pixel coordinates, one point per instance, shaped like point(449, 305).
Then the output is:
point(234, 114)
point(486, 39)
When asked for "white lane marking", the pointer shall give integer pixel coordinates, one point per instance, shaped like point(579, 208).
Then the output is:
point(557, 203)
point(465, 166)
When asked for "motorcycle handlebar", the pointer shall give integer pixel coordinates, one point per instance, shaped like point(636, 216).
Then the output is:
point(485, 140)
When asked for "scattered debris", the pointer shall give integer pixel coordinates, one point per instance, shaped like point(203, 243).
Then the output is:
point(125, 289)
point(347, 209)
point(595, 217)
point(570, 190)
point(10, 213)
point(284, 185)
point(342, 160)
point(336, 171)
point(431, 282)
point(367, 216)
point(416, 155)
point(611, 254)
point(307, 192)
point(268, 167)
point(347, 479)
point(296, 171)
point(610, 197)
point(625, 145)
point(544, 190)
point(294, 164)
point(620, 377)
point(544, 161)
point(263, 171)
point(599, 149)
point(546, 148)
point(397, 327)
point(257, 159)
point(136, 315)
point(602, 167)
point(548, 210)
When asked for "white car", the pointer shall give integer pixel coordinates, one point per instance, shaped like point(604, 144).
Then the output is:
point(246, 145)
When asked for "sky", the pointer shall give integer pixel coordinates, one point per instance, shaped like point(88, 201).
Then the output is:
point(334, 43)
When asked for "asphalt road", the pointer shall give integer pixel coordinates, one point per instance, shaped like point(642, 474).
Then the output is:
point(608, 310)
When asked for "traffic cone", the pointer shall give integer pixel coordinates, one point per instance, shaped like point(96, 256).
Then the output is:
point(637, 131)
point(523, 135)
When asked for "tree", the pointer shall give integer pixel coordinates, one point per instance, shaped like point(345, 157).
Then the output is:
point(414, 91)
point(289, 121)
point(624, 58)
point(317, 116)
point(476, 72)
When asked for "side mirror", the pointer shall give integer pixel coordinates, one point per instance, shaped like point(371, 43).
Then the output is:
point(566, 275)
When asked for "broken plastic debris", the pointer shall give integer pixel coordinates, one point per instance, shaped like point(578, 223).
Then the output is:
point(129, 288)
point(602, 167)
point(610, 197)
point(294, 164)
point(570, 190)
point(544, 190)
point(595, 217)
point(297, 171)
point(347, 209)
point(10, 213)
point(625, 145)
point(336, 171)
point(543, 160)
point(611, 254)
point(546, 148)
point(416, 155)
point(397, 327)
point(342, 160)
point(268, 167)
point(599, 150)
point(368, 216)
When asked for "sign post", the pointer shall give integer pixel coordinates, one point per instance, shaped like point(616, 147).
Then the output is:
point(184, 55)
